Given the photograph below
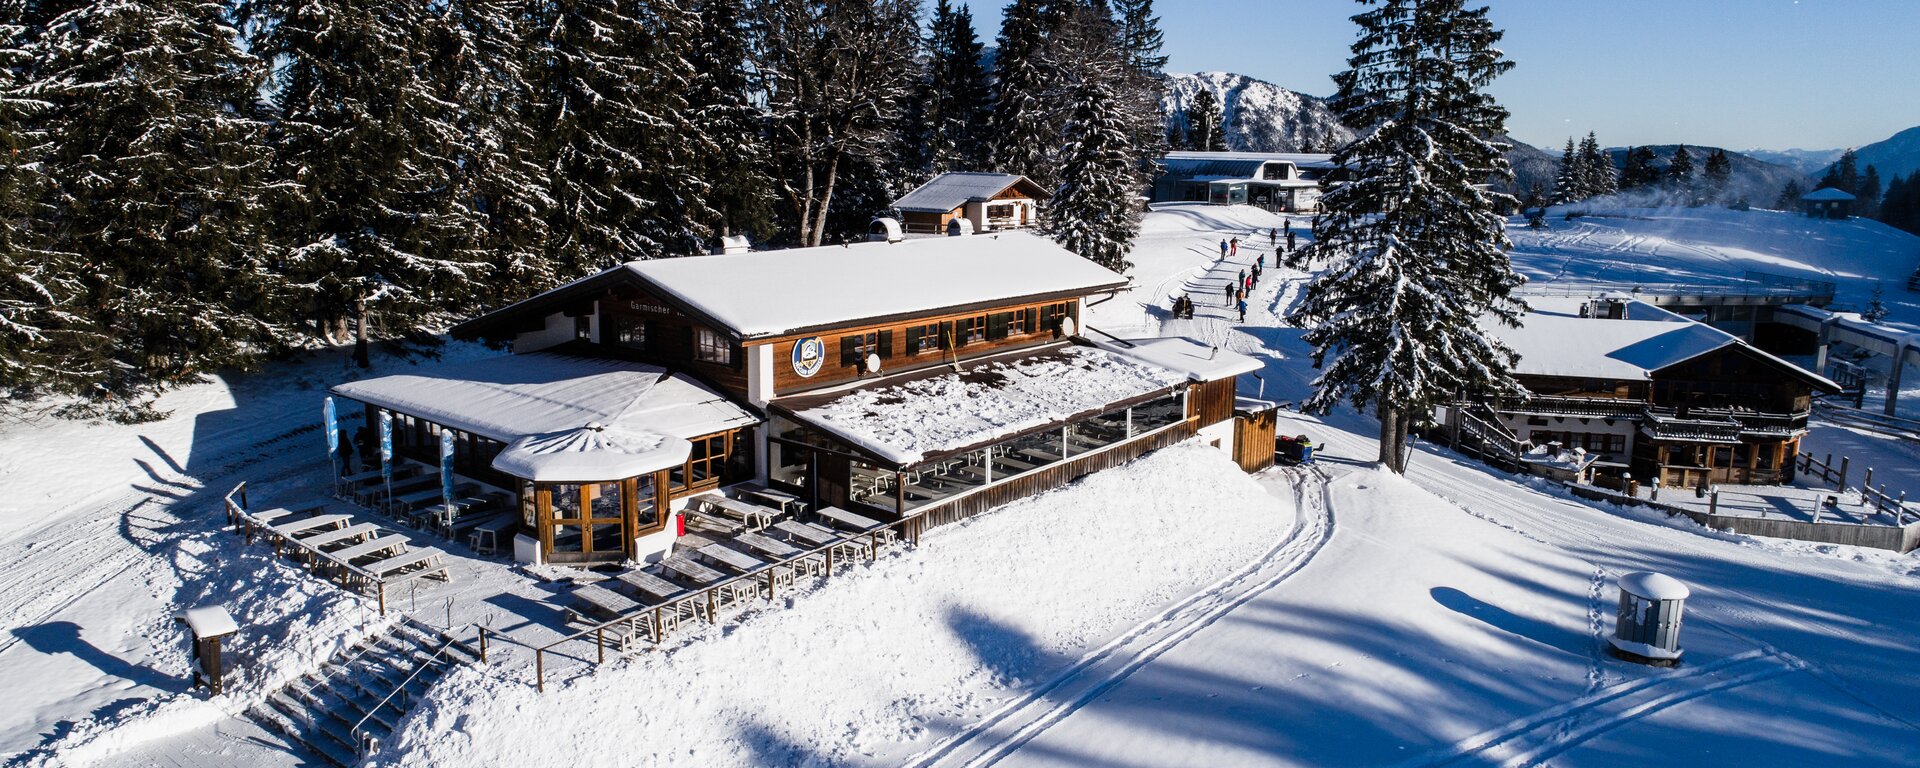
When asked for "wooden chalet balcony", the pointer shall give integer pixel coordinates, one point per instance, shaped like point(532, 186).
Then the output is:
point(1698, 426)
point(1575, 407)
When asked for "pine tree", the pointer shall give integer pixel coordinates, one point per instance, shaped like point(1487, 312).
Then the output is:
point(47, 343)
point(1205, 129)
point(1639, 171)
point(379, 229)
point(1569, 184)
point(1597, 177)
point(1092, 213)
point(158, 181)
point(732, 160)
point(1144, 85)
point(956, 95)
point(1026, 123)
point(1868, 196)
point(1717, 174)
point(1843, 175)
point(1876, 310)
point(1680, 170)
point(1789, 198)
point(1413, 244)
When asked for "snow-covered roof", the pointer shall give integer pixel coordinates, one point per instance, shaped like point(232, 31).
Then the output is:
point(948, 191)
point(209, 621)
point(771, 293)
point(514, 396)
point(591, 453)
point(1238, 165)
point(1199, 362)
point(1554, 340)
point(1826, 193)
point(1654, 586)
point(926, 415)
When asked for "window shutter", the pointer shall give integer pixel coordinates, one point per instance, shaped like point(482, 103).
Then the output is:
point(849, 352)
point(886, 344)
point(916, 335)
point(946, 335)
point(997, 325)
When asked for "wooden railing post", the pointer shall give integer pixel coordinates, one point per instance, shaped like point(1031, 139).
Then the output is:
point(1842, 484)
point(540, 670)
point(483, 645)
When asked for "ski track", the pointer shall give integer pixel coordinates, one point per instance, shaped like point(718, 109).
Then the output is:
point(1529, 739)
point(86, 555)
point(1007, 729)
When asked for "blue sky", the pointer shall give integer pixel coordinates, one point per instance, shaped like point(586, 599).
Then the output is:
point(1774, 74)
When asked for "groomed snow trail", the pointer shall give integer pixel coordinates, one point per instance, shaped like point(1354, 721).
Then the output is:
point(1012, 726)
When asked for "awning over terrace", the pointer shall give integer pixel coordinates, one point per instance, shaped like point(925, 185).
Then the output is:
point(924, 415)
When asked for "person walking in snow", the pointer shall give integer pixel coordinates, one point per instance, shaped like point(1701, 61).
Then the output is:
point(1243, 277)
point(1242, 306)
point(1273, 237)
point(1236, 248)
point(1223, 247)
point(1229, 295)
point(1260, 261)
point(1289, 240)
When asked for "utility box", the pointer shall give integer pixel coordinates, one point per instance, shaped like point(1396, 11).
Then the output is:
point(209, 624)
point(1647, 629)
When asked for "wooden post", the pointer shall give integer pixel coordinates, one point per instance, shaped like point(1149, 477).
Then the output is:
point(1868, 482)
point(830, 549)
point(656, 625)
point(600, 643)
point(1842, 485)
point(483, 645)
point(540, 670)
point(712, 617)
point(1713, 504)
point(383, 595)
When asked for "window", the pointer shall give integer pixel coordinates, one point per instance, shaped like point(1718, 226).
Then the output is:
point(583, 328)
point(1020, 321)
point(710, 347)
point(922, 339)
point(1000, 211)
point(1052, 314)
point(855, 348)
point(704, 465)
point(630, 332)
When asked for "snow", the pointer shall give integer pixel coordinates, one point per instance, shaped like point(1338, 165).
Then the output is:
point(988, 400)
point(1553, 340)
point(1828, 193)
point(805, 288)
point(592, 453)
point(951, 190)
point(508, 397)
point(1173, 611)
point(1200, 362)
point(209, 621)
point(1654, 586)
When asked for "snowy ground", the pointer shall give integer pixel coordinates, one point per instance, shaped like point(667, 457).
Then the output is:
point(1170, 612)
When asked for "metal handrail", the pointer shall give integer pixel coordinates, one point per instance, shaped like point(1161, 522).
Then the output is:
point(364, 742)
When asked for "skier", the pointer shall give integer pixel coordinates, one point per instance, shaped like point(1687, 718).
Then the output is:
point(1242, 306)
point(1223, 247)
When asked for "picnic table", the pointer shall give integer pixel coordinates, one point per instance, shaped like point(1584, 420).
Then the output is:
point(1039, 455)
point(732, 558)
point(358, 531)
point(650, 586)
point(809, 535)
point(405, 560)
point(754, 516)
point(603, 602)
point(489, 531)
point(293, 529)
point(710, 522)
point(405, 503)
point(780, 499)
point(845, 519)
point(773, 548)
point(1017, 465)
point(366, 548)
point(692, 571)
point(662, 593)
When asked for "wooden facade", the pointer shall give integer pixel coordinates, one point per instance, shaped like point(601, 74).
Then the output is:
point(1253, 439)
point(636, 324)
point(922, 342)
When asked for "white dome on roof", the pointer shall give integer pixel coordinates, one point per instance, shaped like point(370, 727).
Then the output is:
point(1654, 586)
point(592, 453)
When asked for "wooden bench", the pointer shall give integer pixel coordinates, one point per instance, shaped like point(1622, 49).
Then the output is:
point(601, 602)
point(876, 531)
point(365, 548)
point(710, 522)
point(753, 516)
point(315, 524)
point(773, 548)
point(485, 536)
point(810, 536)
point(692, 571)
point(785, 502)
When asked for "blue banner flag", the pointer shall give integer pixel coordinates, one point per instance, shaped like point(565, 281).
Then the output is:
point(446, 466)
point(331, 424)
point(386, 447)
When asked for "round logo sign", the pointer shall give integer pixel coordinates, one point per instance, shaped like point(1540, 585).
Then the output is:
point(808, 355)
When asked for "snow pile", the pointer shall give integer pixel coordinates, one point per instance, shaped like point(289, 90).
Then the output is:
point(897, 652)
point(907, 421)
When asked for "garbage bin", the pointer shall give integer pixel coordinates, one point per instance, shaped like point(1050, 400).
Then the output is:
point(1647, 629)
point(209, 624)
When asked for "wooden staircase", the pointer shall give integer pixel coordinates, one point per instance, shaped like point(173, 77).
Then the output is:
point(344, 709)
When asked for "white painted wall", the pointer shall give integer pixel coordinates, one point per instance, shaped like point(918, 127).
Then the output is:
point(558, 330)
point(1222, 431)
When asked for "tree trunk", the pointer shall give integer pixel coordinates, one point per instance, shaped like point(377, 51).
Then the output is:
point(826, 199)
point(360, 333)
point(1393, 438)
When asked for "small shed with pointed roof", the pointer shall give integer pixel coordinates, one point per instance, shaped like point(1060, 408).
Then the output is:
point(991, 201)
point(1827, 203)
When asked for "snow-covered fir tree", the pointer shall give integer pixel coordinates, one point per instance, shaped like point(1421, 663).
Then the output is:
point(158, 177)
point(1026, 120)
point(1144, 83)
point(1789, 198)
point(1206, 129)
point(958, 104)
point(1639, 170)
point(1680, 169)
point(1716, 174)
point(1597, 168)
point(1569, 184)
point(721, 102)
point(47, 344)
point(1412, 246)
point(1092, 213)
point(378, 230)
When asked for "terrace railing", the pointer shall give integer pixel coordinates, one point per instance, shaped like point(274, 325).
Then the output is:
point(1580, 407)
point(1697, 425)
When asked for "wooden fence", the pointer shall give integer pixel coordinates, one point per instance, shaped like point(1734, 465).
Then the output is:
point(1899, 538)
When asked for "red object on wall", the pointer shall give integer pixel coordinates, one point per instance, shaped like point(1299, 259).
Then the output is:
point(679, 525)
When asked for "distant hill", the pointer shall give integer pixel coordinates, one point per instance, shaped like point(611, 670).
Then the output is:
point(1758, 181)
point(1260, 116)
point(1807, 161)
point(1263, 117)
point(1898, 155)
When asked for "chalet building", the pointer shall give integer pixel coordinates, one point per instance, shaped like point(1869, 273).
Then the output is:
point(971, 202)
point(1646, 391)
point(936, 377)
point(1827, 203)
point(1277, 181)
